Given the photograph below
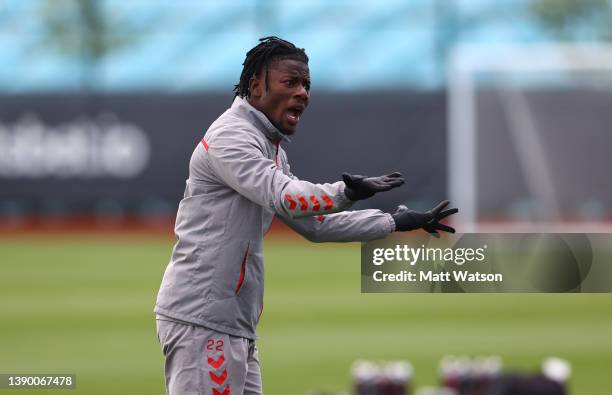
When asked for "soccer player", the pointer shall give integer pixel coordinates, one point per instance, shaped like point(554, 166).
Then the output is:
point(211, 295)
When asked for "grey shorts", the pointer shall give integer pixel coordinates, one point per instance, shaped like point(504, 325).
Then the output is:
point(205, 362)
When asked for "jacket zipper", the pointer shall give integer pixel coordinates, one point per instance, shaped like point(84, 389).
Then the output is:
point(273, 215)
point(276, 157)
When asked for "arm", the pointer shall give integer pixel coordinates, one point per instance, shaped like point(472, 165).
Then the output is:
point(361, 225)
point(239, 161)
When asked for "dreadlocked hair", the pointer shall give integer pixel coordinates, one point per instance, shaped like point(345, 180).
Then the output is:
point(261, 56)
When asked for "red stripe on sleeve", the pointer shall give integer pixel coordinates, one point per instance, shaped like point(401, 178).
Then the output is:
point(205, 144)
point(328, 202)
point(315, 202)
point(304, 203)
point(292, 203)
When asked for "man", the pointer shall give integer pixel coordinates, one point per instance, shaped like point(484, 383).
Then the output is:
point(211, 296)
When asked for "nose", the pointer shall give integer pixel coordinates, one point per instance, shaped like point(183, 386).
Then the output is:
point(303, 94)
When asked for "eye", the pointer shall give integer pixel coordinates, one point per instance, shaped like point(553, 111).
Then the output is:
point(290, 83)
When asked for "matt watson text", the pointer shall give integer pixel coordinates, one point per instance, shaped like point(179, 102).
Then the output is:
point(432, 276)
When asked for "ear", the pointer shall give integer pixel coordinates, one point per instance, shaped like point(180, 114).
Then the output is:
point(256, 87)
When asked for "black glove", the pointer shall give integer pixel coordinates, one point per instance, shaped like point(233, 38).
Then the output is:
point(406, 219)
point(363, 187)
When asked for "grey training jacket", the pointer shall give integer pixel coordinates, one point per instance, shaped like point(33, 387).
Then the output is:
point(239, 179)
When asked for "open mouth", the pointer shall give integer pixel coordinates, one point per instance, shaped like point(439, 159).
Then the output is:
point(294, 113)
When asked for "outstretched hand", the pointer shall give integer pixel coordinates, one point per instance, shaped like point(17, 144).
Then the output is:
point(406, 219)
point(363, 187)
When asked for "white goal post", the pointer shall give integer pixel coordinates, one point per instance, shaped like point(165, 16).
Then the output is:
point(466, 62)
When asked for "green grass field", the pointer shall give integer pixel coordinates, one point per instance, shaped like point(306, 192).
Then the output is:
point(78, 304)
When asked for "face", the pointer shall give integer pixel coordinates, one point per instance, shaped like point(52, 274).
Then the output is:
point(284, 95)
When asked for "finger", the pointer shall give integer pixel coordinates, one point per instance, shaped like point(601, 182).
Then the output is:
point(396, 182)
point(446, 213)
point(385, 185)
point(439, 207)
point(379, 185)
point(391, 177)
point(444, 228)
point(396, 174)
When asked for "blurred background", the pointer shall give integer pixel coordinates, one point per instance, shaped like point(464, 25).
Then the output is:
point(502, 106)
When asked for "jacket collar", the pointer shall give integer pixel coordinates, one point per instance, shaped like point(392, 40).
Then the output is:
point(244, 109)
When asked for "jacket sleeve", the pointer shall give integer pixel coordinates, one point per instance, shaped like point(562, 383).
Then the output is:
point(360, 225)
point(239, 161)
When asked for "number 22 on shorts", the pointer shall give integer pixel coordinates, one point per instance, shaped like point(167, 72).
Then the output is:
point(214, 345)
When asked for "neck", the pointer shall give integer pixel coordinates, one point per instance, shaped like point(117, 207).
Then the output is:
point(253, 103)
